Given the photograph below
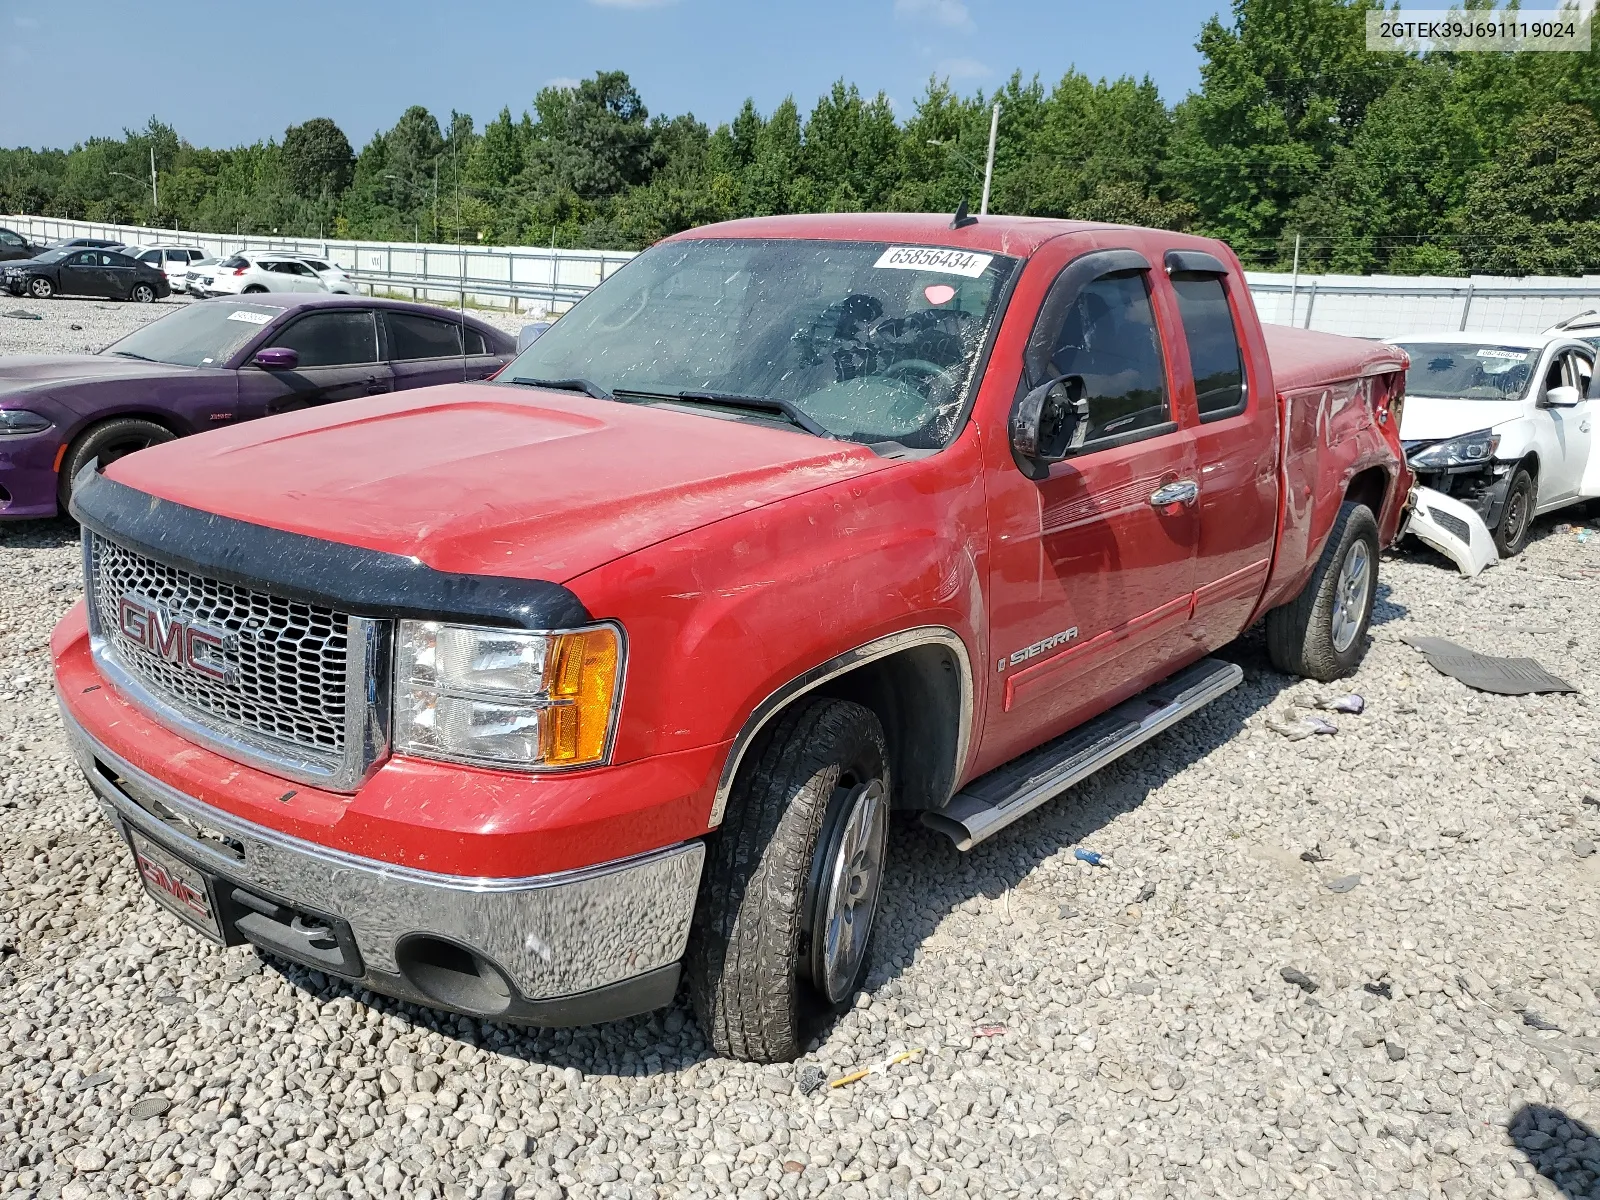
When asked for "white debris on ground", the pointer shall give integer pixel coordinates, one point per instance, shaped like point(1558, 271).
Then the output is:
point(1349, 965)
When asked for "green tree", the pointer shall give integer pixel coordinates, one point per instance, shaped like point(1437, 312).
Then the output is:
point(317, 159)
point(1536, 209)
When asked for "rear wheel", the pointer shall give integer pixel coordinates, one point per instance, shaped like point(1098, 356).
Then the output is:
point(254, 289)
point(41, 288)
point(1516, 518)
point(792, 882)
point(142, 293)
point(1322, 632)
point(108, 441)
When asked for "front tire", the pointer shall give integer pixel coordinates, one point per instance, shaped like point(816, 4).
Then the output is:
point(1516, 518)
point(107, 441)
point(1322, 633)
point(255, 289)
point(41, 288)
point(792, 882)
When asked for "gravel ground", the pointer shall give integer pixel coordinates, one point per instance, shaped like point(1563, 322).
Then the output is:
point(70, 326)
point(1122, 1031)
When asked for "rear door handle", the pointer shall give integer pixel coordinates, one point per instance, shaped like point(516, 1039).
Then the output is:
point(1181, 491)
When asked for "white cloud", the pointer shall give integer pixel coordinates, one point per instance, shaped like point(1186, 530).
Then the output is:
point(963, 68)
point(632, 3)
point(952, 14)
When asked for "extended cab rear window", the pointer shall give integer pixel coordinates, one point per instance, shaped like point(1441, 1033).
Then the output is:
point(1214, 356)
point(871, 341)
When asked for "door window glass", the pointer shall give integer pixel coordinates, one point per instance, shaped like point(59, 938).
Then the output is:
point(1109, 338)
point(1583, 373)
point(1214, 357)
point(411, 336)
point(475, 342)
point(116, 260)
point(332, 339)
point(7, 238)
point(86, 259)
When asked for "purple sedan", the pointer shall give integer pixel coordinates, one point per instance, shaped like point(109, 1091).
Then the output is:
point(215, 363)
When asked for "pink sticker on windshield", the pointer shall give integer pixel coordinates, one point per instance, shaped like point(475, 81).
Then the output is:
point(939, 293)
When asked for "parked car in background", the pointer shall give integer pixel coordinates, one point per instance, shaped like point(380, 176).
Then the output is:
point(79, 272)
point(171, 261)
point(83, 243)
point(207, 365)
point(182, 277)
point(332, 276)
point(1503, 423)
point(1585, 327)
point(250, 273)
point(13, 245)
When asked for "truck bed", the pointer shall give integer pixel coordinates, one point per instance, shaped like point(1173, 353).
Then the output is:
point(1303, 358)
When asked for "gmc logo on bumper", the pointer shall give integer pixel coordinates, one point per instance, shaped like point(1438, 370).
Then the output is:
point(197, 647)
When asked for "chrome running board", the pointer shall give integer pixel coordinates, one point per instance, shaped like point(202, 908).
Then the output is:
point(991, 802)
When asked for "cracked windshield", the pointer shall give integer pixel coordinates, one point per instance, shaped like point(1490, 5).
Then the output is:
point(865, 341)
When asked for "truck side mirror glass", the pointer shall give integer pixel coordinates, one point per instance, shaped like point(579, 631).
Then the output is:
point(1562, 397)
point(1048, 424)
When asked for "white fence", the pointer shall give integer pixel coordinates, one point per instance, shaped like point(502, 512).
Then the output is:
point(1384, 306)
point(530, 279)
point(523, 278)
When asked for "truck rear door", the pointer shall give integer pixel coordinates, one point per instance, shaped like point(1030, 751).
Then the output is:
point(1236, 443)
point(1092, 568)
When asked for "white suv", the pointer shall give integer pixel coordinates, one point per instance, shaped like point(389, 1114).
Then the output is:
point(171, 261)
point(242, 274)
point(332, 275)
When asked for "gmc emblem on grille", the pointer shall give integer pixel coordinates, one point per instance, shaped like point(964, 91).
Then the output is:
point(197, 647)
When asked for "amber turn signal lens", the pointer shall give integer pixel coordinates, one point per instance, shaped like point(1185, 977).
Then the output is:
point(581, 678)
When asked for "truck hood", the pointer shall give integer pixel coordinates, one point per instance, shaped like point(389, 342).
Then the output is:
point(491, 479)
point(1429, 419)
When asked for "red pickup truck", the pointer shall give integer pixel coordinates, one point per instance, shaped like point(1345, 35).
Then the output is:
point(524, 699)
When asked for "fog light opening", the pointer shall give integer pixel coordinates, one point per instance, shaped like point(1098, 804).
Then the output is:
point(454, 976)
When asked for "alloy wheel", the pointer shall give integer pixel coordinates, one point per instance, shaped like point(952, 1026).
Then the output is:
point(847, 898)
point(1351, 595)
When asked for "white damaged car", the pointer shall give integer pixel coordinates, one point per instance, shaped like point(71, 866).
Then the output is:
point(1502, 423)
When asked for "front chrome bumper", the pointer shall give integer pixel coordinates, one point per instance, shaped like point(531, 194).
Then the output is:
point(575, 948)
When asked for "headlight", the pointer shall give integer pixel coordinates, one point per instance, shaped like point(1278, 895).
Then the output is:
point(505, 698)
point(1470, 449)
point(20, 420)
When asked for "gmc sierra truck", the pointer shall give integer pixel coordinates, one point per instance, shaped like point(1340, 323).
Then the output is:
point(525, 699)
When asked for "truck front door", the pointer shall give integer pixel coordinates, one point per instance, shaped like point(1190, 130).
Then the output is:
point(1092, 568)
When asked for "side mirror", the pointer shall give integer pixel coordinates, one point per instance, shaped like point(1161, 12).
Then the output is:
point(1562, 397)
point(1048, 424)
point(530, 333)
point(276, 358)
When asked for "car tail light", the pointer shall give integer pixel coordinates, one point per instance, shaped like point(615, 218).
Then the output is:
point(240, 270)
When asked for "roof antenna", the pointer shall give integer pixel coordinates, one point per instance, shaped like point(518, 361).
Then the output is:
point(962, 218)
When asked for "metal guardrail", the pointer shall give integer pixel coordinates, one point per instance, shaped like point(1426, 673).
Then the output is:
point(507, 276)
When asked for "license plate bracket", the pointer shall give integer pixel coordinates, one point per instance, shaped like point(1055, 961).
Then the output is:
point(181, 889)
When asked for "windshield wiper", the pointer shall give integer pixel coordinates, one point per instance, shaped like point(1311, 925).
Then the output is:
point(131, 354)
point(587, 386)
point(763, 404)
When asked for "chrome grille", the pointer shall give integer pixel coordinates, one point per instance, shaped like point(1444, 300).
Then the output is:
point(286, 662)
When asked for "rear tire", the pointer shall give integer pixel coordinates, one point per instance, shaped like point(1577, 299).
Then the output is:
point(1322, 633)
point(142, 293)
point(107, 441)
point(255, 289)
point(792, 881)
point(1516, 518)
point(41, 288)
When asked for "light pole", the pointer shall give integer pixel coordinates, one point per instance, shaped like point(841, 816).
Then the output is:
point(988, 169)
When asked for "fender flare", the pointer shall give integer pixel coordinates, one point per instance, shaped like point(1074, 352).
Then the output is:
point(841, 664)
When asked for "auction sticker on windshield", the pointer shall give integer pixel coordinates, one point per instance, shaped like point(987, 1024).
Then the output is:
point(254, 318)
point(1514, 355)
point(932, 258)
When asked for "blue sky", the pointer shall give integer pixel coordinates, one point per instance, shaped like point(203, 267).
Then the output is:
point(225, 73)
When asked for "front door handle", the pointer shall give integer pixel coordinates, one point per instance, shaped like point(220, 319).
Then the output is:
point(1181, 491)
point(374, 386)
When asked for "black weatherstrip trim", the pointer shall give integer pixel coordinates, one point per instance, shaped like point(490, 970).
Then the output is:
point(352, 579)
point(1193, 262)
